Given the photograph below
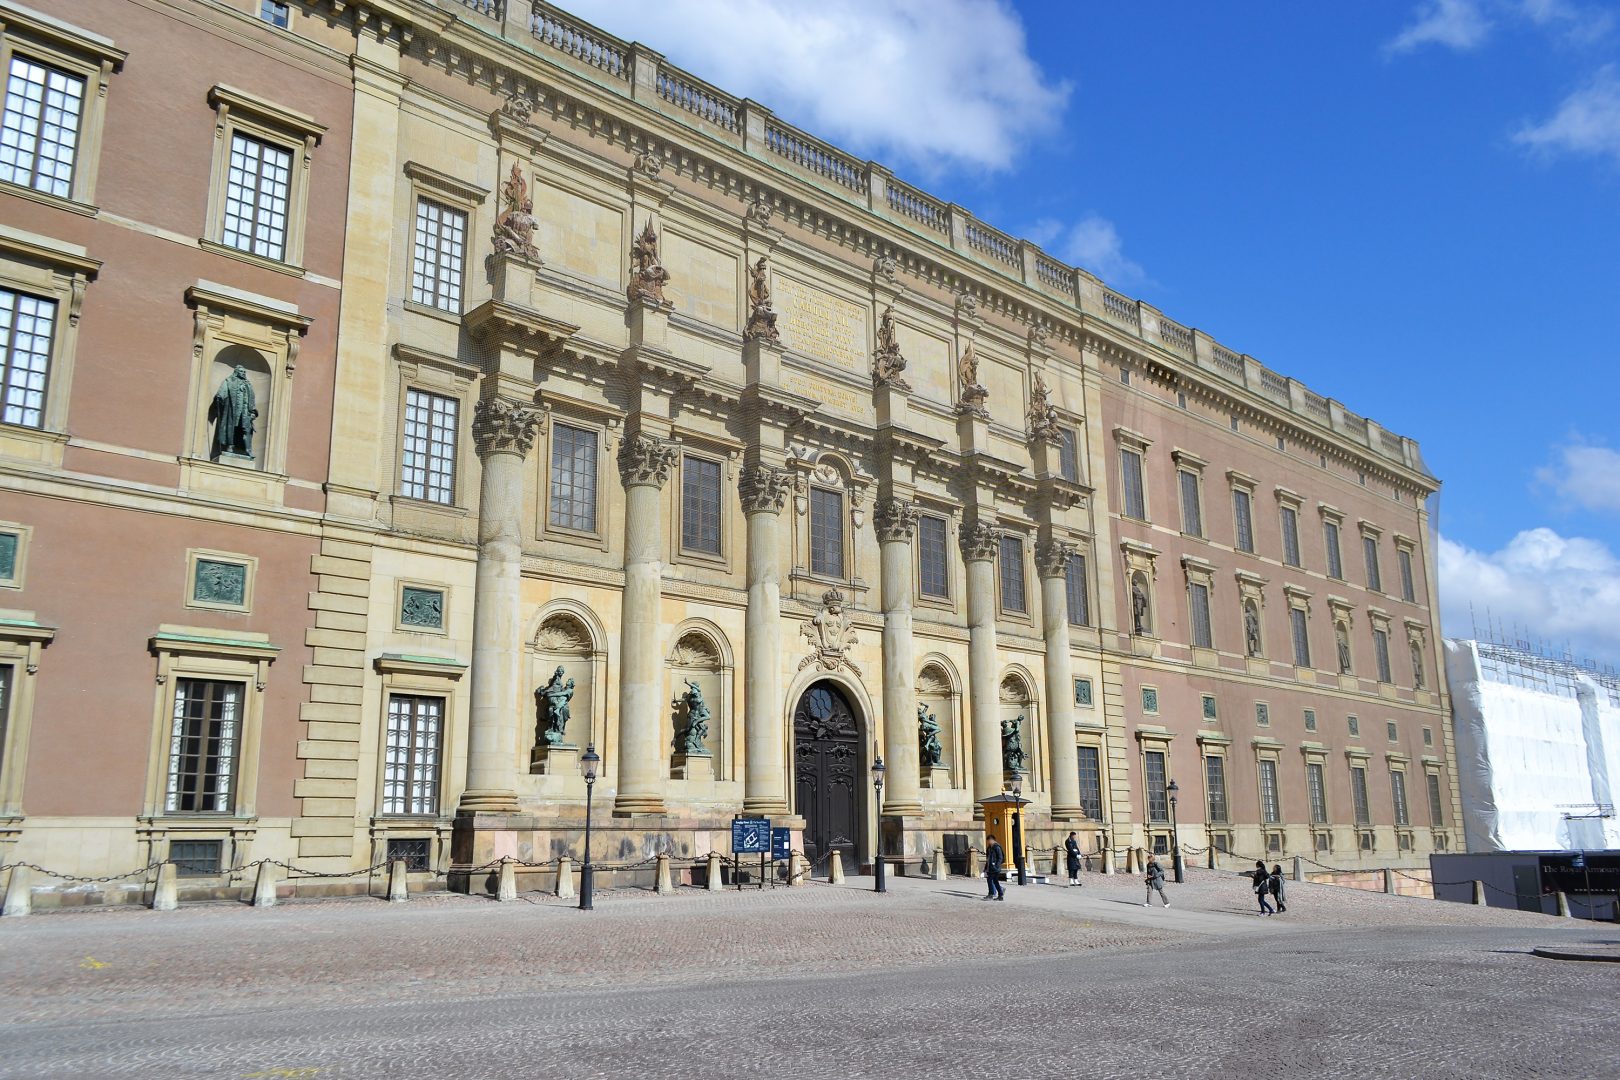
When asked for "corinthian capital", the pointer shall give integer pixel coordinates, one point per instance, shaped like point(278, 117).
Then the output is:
point(980, 541)
point(764, 489)
point(1052, 558)
point(895, 521)
point(645, 461)
point(504, 427)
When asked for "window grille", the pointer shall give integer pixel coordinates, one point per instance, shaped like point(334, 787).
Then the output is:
point(1079, 591)
point(826, 532)
point(1318, 793)
point(1397, 790)
point(202, 746)
point(416, 851)
point(197, 858)
point(1358, 794)
point(1091, 781)
point(932, 552)
point(573, 478)
point(39, 135)
point(1012, 574)
point(1270, 808)
point(438, 255)
point(428, 463)
point(1158, 798)
point(700, 504)
point(27, 328)
point(411, 768)
point(1215, 788)
point(258, 185)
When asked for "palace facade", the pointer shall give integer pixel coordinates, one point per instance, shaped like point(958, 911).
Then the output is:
point(403, 397)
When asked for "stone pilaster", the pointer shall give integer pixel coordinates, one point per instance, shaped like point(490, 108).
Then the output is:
point(896, 524)
point(1052, 563)
point(645, 464)
point(764, 492)
point(979, 544)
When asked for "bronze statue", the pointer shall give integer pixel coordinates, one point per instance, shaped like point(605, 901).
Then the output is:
point(928, 737)
point(1139, 607)
point(697, 720)
point(1251, 628)
point(1417, 665)
point(551, 708)
point(233, 411)
point(1012, 744)
point(1344, 649)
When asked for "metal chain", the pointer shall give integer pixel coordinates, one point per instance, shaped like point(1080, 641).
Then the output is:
point(88, 880)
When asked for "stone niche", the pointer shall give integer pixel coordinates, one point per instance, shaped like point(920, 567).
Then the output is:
point(1017, 700)
point(564, 641)
point(698, 659)
point(936, 694)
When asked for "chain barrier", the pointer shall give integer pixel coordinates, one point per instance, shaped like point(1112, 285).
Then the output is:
point(142, 872)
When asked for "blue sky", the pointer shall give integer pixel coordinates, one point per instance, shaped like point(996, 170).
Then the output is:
point(1409, 205)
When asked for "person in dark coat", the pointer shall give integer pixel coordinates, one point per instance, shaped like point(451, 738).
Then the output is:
point(994, 859)
point(1071, 848)
point(1155, 880)
point(1275, 884)
point(1262, 886)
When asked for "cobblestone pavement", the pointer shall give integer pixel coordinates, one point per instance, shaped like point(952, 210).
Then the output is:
point(927, 980)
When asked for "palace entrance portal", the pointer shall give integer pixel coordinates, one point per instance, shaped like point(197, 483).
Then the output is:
point(827, 776)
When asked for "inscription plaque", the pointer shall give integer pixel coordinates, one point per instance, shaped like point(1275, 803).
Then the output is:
point(819, 324)
point(841, 399)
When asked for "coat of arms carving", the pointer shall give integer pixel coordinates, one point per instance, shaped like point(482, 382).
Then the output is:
point(831, 634)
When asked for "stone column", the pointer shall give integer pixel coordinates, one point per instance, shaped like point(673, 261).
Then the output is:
point(896, 523)
point(764, 492)
point(1052, 562)
point(645, 464)
point(503, 432)
point(979, 546)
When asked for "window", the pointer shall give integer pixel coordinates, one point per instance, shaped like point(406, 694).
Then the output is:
point(700, 504)
point(1130, 465)
point(27, 328)
point(1358, 794)
point(573, 478)
point(415, 852)
point(438, 255)
point(428, 464)
point(1290, 535)
point(1074, 577)
point(44, 110)
point(257, 187)
point(261, 177)
point(1262, 714)
point(1318, 793)
point(1302, 638)
point(1202, 635)
point(1437, 815)
point(1397, 790)
point(1354, 725)
point(1310, 719)
point(1408, 590)
point(202, 746)
point(1209, 706)
point(1215, 787)
point(1125, 375)
point(1381, 653)
point(1091, 781)
point(1270, 808)
point(411, 768)
point(1242, 514)
point(1181, 399)
point(197, 858)
point(1369, 548)
point(1330, 533)
point(1192, 517)
point(932, 569)
point(273, 12)
point(1158, 798)
point(826, 532)
point(1069, 455)
point(1012, 574)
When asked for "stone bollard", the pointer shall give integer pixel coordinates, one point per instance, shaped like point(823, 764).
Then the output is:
point(975, 864)
point(1299, 868)
point(1130, 860)
point(942, 869)
point(795, 869)
point(506, 883)
point(565, 878)
point(662, 884)
point(1389, 881)
point(19, 895)
point(166, 894)
point(835, 868)
point(1058, 869)
point(1563, 904)
point(264, 886)
point(1108, 860)
point(398, 891)
point(714, 882)
point(1479, 893)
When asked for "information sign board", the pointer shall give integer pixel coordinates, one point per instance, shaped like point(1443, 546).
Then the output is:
point(781, 844)
point(750, 836)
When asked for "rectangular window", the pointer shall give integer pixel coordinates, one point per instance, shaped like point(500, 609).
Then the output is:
point(1302, 637)
point(1437, 807)
point(202, 746)
point(1310, 719)
point(1069, 455)
point(1381, 653)
point(933, 578)
point(438, 255)
point(40, 135)
point(1397, 790)
point(1369, 549)
point(1318, 793)
point(197, 858)
point(1215, 788)
point(1358, 793)
point(273, 12)
point(258, 187)
point(1091, 781)
point(411, 769)
point(1202, 635)
point(1192, 514)
point(1012, 574)
point(573, 478)
point(27, 328)
point(1290, 536)
point(1074, 577)
point(1158, 798)
point(414, 852)
point(1243, 515)
point(427, 468)
point(700, 504)
point(826, 532)
point(1270, 808)
point(1408, 589)
point(1130, 466)
point(1330, 533)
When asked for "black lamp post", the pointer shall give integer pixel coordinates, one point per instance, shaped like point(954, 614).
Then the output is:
point(879, 884)
point(1175, 839)
point(1018, 827)
point(588, 765)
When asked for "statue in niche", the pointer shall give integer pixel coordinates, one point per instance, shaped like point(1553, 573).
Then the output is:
point(551, 708)
point(928, 737)
point(761, 319)
point(1342, 637)
point(887, 363)
point(1251, 628)
point(514, 228)
point(692, 738)
point(234, 409)
point(647, 275)
point(973, 395)
point(1012, 744)
point(1139, 607)
point(1417, 665)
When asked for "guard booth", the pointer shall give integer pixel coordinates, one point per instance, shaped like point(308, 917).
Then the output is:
point(1003, 819)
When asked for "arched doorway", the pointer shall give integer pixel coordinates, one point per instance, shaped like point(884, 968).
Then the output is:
point(828, 775)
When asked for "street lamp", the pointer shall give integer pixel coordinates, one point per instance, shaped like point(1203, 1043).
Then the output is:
point(588, 765)
point(878, 882)
point(1018, 827)
point(1175, 839)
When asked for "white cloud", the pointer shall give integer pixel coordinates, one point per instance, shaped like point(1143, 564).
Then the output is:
point(1585, 476)
point(1455, 24)
point(1091, 243)
point(926, 83)
point(1576, 23)
point(1553, 588)
point(1587, 122)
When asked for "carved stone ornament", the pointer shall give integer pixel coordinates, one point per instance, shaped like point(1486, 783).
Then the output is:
point(973, 394)
point(830, 634)
point(967, 305)
point(504, 427)
point(760, 211)
point(980, 541)
point(514, 227)
point(518, 107)
point(886, 269)
point(1052, 558)
point(562, 633)
point(761, 318)
point(895, 521)
point(1043, 417)
point(647, 276)
point(649, 164)
point(1039, 334)
point(887, 363)
point(645, 461)
point(764, 489)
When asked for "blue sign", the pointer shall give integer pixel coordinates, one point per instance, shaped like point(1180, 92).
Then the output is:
point(781, 844)
point(1579, 861)
point(750, 836)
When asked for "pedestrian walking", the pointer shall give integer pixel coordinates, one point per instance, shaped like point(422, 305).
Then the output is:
point(993, 861)
point(1071, 848)
point(1155, 880)
point(1275, 884)
point(1262, 886)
